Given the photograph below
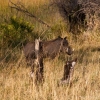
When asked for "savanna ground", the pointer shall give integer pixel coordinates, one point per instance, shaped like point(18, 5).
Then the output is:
point(15, 83)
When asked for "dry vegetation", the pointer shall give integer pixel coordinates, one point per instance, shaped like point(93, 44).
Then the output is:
point(15, 83)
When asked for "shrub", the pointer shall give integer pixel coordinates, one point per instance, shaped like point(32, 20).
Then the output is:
point(16, 31)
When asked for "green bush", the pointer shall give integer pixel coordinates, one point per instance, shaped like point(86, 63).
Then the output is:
point(16, 31)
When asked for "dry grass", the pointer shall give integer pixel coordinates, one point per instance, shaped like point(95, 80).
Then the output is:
point(27, 2)
point(15, 82)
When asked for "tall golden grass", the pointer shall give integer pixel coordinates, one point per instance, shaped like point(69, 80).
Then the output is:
point(27, 2)
point(15, 82)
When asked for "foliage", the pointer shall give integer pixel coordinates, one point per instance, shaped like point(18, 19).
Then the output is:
point(80, 14)
point(16, 31)
point(15, 81)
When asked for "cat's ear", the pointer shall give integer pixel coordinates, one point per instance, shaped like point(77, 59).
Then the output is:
point(75, 59)
point(59, 37)
point(65, 38)
point(73, 63)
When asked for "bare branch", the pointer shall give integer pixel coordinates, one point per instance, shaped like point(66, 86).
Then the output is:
point(79, 14)
point(21, 8)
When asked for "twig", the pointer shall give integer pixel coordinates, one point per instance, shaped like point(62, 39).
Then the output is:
point(21, 8)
